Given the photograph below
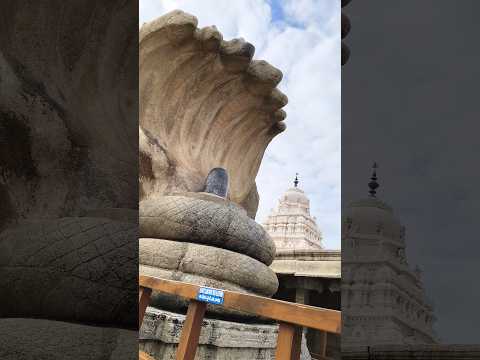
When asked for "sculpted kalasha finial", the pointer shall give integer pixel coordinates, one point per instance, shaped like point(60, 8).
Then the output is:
point(373, 185)
point(295, 182)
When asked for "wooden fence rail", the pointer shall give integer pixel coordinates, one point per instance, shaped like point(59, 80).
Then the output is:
point(290, 316)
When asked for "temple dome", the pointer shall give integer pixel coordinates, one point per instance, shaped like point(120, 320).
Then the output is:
point(372, 216)
point(378, 280)
point(295, 196)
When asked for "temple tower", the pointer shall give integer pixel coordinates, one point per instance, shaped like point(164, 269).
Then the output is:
point(290, 224)
point(383, 299)
point(307, 272)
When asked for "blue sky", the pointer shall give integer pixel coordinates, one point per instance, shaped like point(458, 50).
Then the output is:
point(277, 11)
point(302, 39)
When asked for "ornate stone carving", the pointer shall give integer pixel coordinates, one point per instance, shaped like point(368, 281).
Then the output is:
point(204, 103)
point(55, 340)
point(68, 187)
point(68, 166)
point(381, 295)
point(56, 157)
point(216, 265)
point(205, 219)
point(290, 225)
point(66, 264)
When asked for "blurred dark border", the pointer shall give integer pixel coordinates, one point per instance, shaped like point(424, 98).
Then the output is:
point(68, 179)
point(410, 103)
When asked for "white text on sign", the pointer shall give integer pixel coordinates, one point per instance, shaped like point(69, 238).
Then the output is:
point(209, 295)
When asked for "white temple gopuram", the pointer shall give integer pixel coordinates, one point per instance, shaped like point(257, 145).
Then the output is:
point(290, 225)
point(307, 273)
point(383, 300)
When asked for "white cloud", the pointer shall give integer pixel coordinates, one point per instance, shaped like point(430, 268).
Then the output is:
point(305, 44)
point(314, 13)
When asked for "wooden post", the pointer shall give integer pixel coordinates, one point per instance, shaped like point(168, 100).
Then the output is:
point(281, 311)
point(323, 343)
point(291, 317)
point(143, 301)
point(191, 330)
point(297, 343)
point(144, 356)
point(288, 342)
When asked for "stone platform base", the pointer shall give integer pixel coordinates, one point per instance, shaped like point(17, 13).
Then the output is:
point(37, 339)
point(219, 340)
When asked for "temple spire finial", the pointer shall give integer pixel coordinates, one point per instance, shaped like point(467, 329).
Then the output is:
point(373, 185)
point(295, 182)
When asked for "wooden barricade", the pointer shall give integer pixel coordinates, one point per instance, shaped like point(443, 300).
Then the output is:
point(290, 316)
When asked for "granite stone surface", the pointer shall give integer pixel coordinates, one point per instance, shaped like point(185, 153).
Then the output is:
point(219, 340)
point(204, 103)
point(190, 219)
point(39, 339)
point(182, 260)
point(70, 269)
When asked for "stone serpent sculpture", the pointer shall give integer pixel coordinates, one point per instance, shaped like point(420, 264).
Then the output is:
point(204, 103)
point(207, 113)
point(204, 239)
point(68, 180)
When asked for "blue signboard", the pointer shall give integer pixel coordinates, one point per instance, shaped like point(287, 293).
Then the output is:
point(211, 296)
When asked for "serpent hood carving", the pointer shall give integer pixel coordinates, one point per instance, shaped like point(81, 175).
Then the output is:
point(68, 108)
point(207, 113)
point(204, 103)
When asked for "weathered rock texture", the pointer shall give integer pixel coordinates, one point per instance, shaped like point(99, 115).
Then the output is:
point(219, 340)
point(193, 219)
point(203, 239)
point(68, 177)
point(204, 103)
point(218, 266)
point(37, 339)
point(205, 266)
point(70, 269)
point(68, 108)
